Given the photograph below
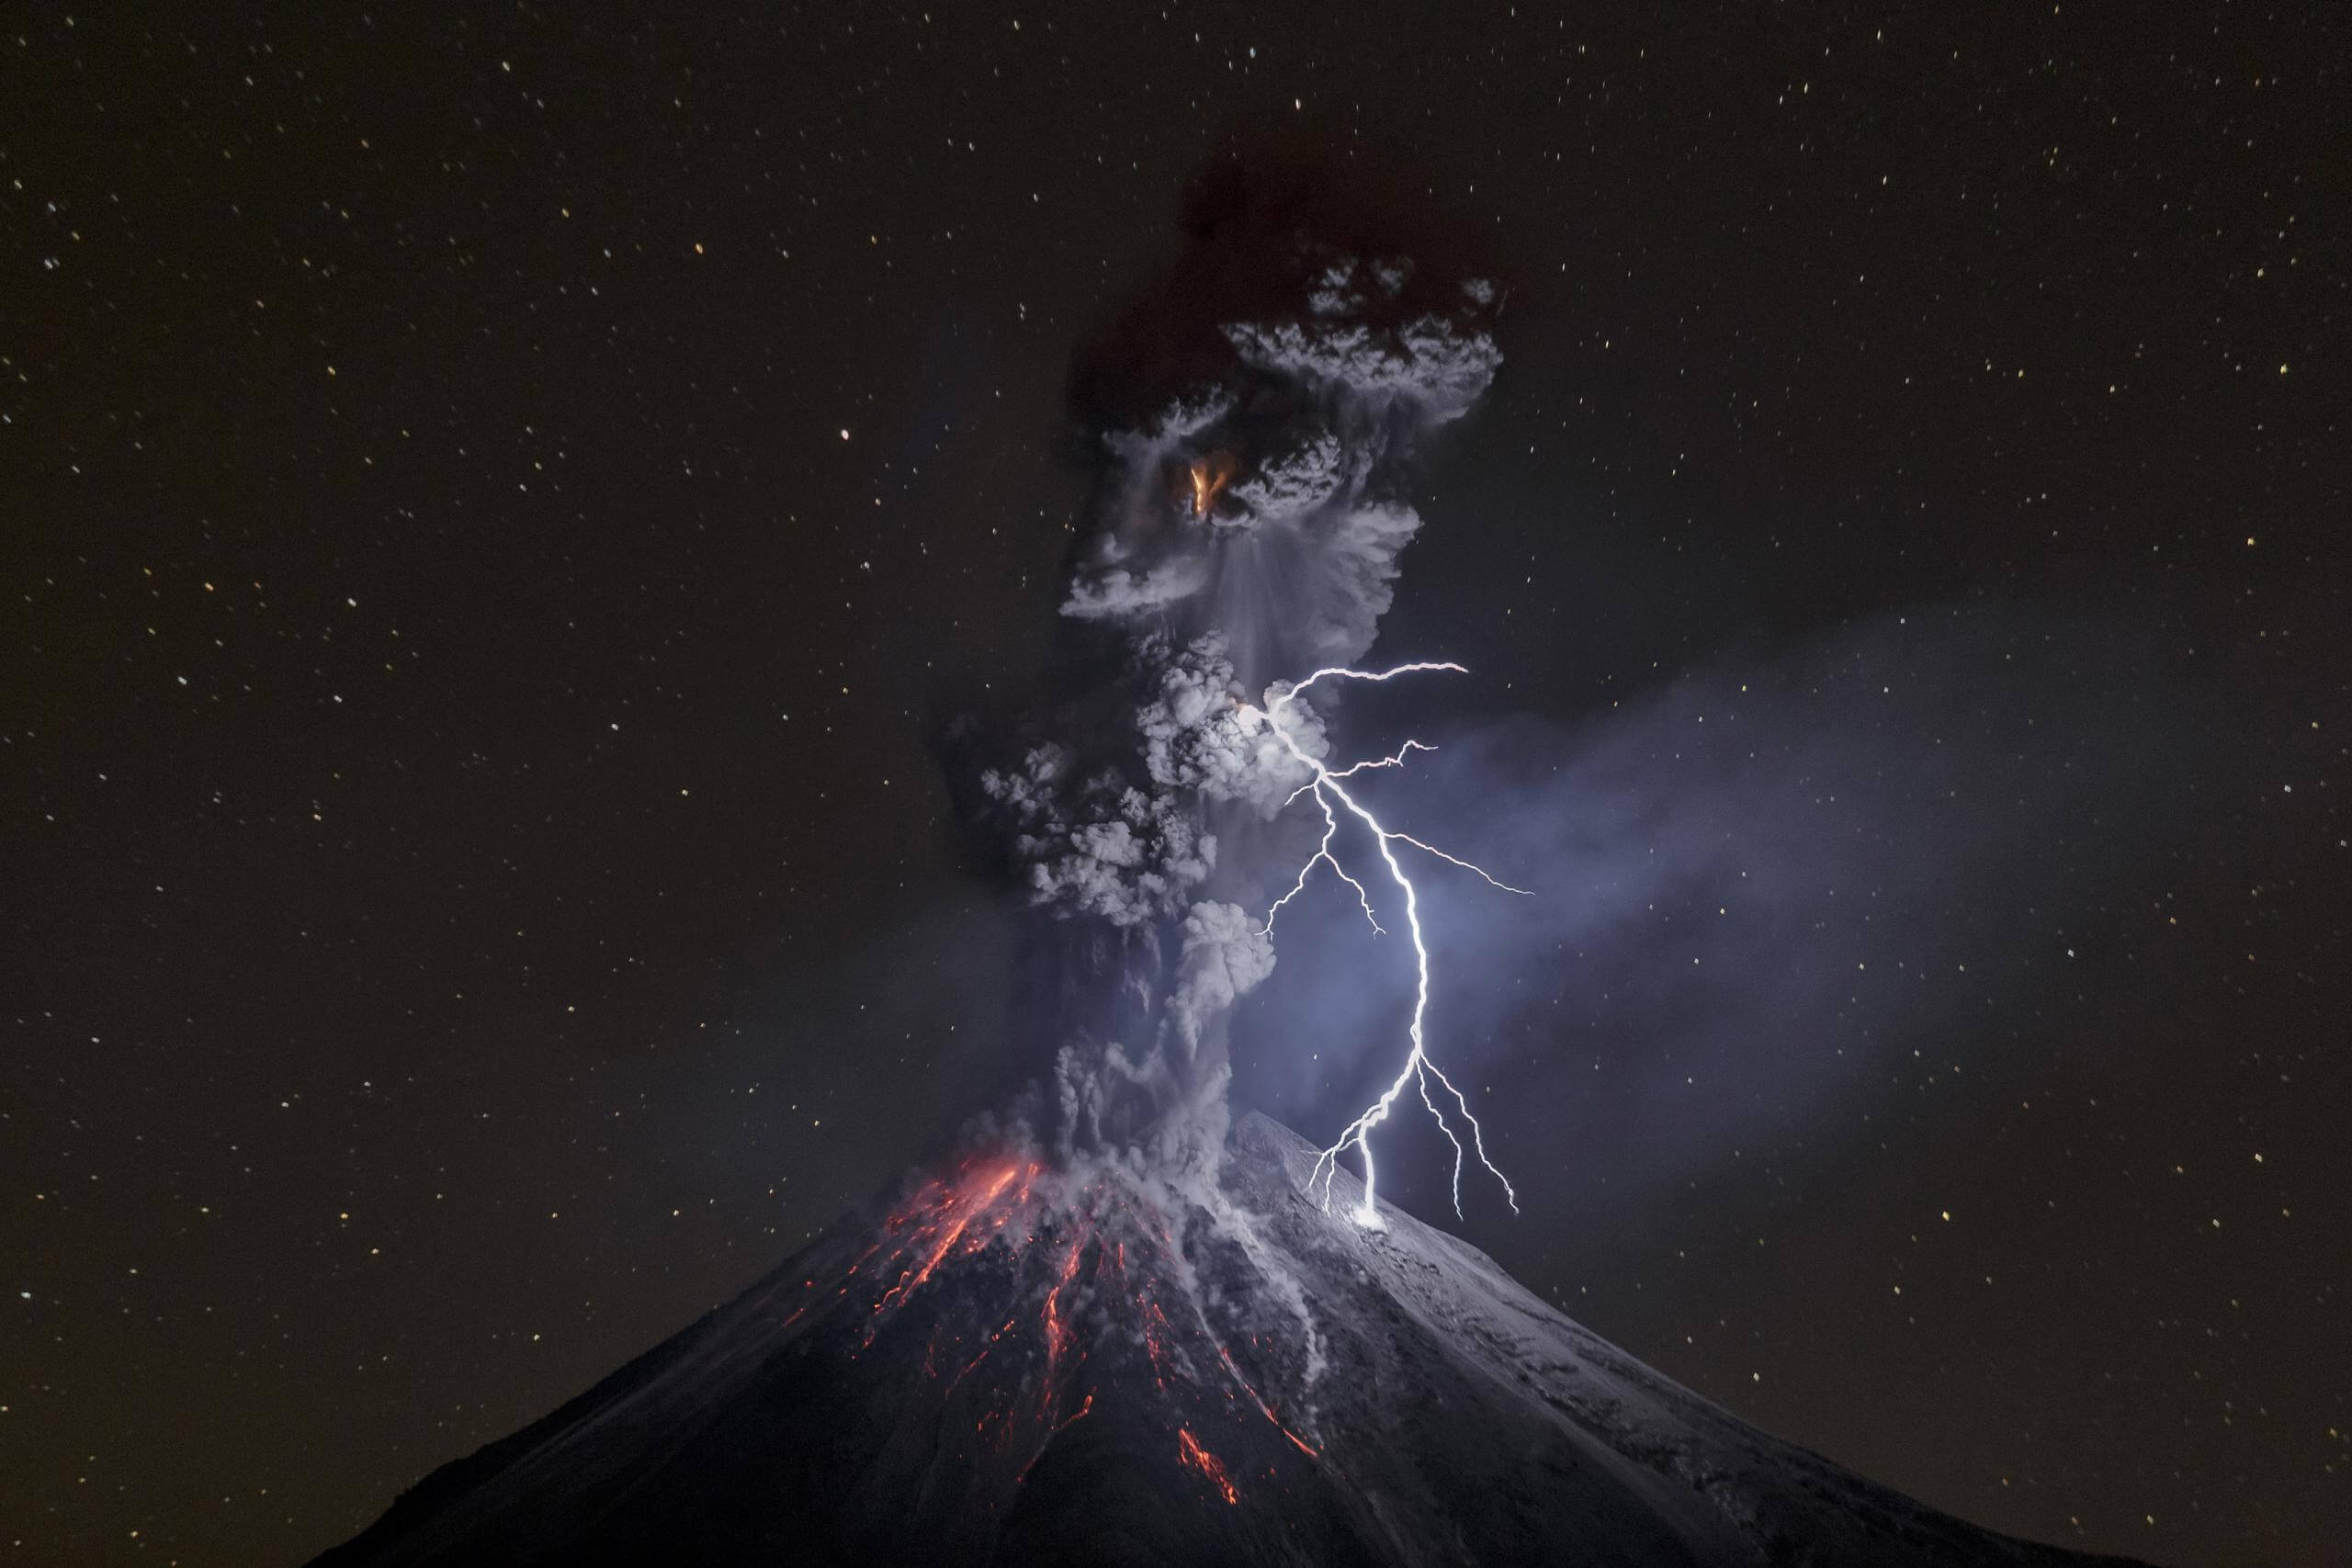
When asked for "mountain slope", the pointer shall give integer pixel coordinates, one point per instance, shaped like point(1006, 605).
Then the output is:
point(1030, 1366)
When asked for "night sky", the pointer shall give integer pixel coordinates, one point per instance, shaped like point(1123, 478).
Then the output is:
point(500, 505)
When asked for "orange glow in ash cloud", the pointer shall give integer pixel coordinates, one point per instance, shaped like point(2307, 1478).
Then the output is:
point(1209, 475)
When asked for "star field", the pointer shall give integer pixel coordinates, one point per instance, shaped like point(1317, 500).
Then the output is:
point(502, 504)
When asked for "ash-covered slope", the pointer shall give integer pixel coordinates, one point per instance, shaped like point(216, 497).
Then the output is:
point(1028, 1366)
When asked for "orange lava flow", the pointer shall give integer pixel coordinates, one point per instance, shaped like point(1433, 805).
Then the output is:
point(912, 1279)
point(1156, 1329)
point(1058, 1332)
point(1074, 1243)
point(1190, 1453)
point(983, 1355)
point(1263, 1408)
point(1072, 1419)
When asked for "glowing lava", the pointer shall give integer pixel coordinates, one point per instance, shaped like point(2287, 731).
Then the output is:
point(1190, 1452)
point(1069, 1246)
point(965, 1205)
point(1418, 1069)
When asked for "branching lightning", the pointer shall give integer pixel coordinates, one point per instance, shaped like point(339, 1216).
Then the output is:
point(1325, 786)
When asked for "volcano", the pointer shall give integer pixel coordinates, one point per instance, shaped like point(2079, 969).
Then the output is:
point(1087, 1363)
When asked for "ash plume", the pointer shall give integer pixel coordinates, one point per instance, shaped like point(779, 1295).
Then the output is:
point(1251, 425)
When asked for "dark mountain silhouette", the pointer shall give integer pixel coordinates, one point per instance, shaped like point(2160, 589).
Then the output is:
point(1029, 1365)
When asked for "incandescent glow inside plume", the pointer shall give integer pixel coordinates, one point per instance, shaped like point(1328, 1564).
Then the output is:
point(1333, 797)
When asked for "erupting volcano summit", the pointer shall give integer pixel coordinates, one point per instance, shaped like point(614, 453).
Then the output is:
point(1123, 1328)
point(1021, 1364)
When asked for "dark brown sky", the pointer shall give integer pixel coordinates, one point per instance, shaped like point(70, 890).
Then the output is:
point(494, 506)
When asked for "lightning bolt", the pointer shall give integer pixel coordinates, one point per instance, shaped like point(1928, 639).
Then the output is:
point(1332, 797)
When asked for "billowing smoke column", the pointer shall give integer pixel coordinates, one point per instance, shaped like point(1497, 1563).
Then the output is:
point(1252, 424)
